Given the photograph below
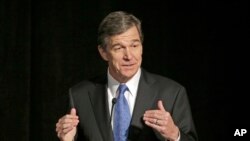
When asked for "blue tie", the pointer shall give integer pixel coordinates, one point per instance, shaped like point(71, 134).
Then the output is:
point(122, 115)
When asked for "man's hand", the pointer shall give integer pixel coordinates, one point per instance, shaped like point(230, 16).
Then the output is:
point(161, 121)
point(66, 126)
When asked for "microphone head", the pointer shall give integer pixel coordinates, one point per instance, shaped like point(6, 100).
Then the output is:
point(114, 100)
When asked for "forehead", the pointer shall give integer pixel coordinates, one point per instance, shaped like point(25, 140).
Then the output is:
point(131, 35)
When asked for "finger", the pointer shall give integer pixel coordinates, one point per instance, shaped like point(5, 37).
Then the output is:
point(73, 111)
point(160, 105)
point(60, 134)
point(151, 120)
point(66, 130)
point(67, 125)
point(68, 116)
point(66, 122)
point(155, 126)
point(156, 114)
point(58, 126)
point(150, 112)
point(69, 120)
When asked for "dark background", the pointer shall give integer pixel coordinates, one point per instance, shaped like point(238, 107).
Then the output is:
point(48, 46)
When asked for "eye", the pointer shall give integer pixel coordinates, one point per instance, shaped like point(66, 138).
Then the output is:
point(117, 47)
point(135, 45)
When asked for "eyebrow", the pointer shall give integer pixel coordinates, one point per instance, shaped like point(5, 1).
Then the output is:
point(131, 42)
point(135, 40)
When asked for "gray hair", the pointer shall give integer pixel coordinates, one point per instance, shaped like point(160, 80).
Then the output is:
point(116, 23)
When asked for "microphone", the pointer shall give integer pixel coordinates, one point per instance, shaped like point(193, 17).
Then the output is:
point(112, 108)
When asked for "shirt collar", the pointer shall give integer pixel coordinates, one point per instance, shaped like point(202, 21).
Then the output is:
point(132, 84)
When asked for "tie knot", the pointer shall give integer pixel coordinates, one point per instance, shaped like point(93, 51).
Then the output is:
point(122, 88)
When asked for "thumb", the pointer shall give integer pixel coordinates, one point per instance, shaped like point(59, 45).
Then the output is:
point(160, 105)
point(73, 111)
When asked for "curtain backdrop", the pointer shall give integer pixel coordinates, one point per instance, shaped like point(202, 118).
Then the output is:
point(48, 46)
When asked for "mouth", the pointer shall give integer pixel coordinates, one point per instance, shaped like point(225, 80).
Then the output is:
point(128, 66)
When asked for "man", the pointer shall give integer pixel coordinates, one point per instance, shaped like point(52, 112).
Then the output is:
point(157, 108)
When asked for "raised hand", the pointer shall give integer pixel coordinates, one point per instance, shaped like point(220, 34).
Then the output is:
point(66, 126)
point(161, 121)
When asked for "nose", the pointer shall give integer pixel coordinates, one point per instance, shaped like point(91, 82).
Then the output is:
point(127, 53)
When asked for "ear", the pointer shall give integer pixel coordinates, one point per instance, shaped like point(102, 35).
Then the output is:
point(103, 53)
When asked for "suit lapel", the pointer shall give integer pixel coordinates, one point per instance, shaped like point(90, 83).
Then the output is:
point(100, 106)
point(144, 101)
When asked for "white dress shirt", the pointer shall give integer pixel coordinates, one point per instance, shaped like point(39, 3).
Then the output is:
point(130, 95)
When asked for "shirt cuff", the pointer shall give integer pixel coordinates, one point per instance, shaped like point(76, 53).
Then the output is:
point(179, 137)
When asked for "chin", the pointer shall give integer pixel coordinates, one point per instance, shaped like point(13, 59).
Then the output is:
point(129, 73)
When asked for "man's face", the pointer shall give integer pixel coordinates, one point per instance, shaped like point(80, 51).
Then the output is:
point(124, 54)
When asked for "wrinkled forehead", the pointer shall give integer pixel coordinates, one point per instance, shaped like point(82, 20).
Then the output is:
point(125, 42)
point(128, 37)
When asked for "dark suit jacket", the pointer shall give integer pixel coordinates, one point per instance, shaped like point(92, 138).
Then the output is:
point(90, 100)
